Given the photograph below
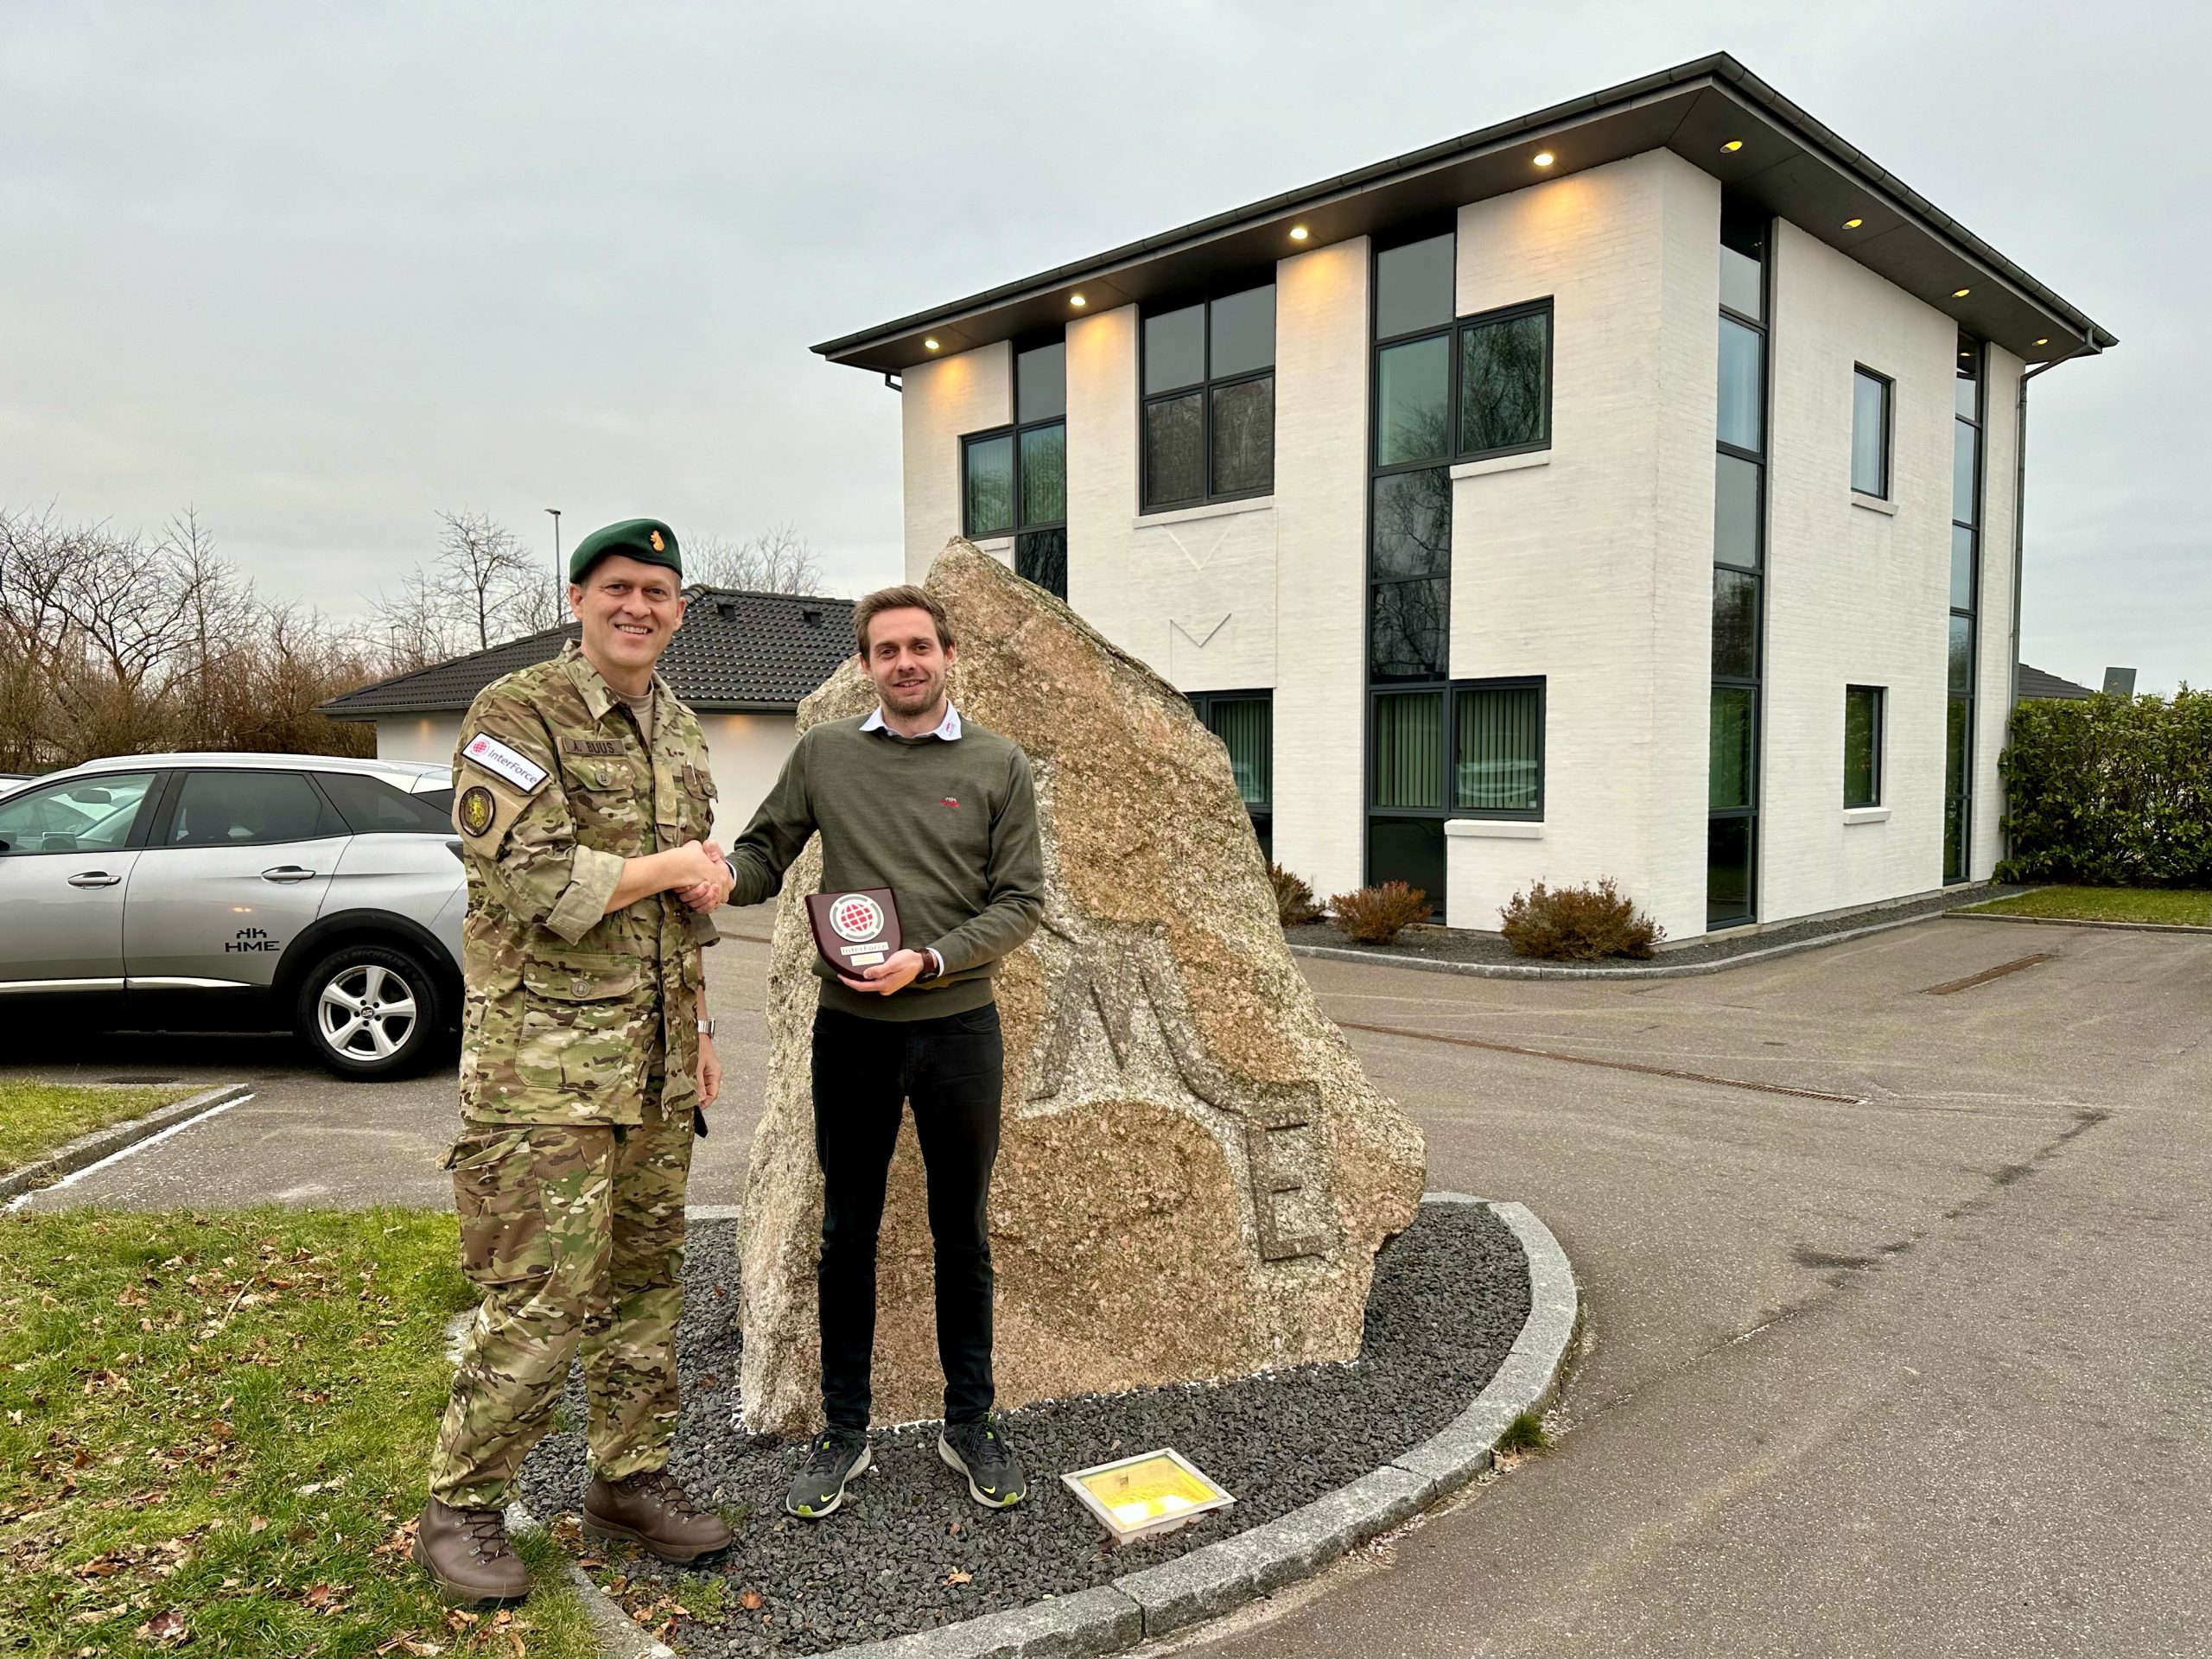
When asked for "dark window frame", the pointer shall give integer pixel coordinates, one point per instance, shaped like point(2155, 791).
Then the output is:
point(1978, 350)
point(1450, 690)
point(1204, 387)
point(1752, 683)
point(1263, 814)
point(1888, 386)
point(1014, 431)
point(1454, 333)
point(1879, 695)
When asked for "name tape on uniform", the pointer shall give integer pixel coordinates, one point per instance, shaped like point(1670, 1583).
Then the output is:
point(496, 758)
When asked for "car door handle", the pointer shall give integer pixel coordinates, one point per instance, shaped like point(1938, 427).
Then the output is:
point(288, 873)
point(93, 878)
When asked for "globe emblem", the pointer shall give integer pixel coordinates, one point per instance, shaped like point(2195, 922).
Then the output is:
point(855, 916)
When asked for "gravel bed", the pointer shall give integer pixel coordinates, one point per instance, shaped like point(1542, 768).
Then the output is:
point(1466, 944)
point(1449, 1296)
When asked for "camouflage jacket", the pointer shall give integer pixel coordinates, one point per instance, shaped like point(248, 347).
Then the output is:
point(567, 1008)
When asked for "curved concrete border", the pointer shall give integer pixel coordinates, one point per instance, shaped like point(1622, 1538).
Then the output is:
point(89, 1149)
point(1641, 970)
point(2081, 921)
point(1157, 1601)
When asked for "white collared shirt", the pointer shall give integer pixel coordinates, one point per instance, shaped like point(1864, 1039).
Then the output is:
point(948, 729)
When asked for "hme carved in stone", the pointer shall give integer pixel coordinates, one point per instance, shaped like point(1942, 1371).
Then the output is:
point(1113, 968)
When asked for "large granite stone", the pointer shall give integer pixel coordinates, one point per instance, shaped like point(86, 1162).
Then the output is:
point(1195, 1175)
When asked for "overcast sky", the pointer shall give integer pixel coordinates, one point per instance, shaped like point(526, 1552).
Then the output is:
point(321, 271)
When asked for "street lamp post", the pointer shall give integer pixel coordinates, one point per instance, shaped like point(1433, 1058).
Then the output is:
point(558, 572)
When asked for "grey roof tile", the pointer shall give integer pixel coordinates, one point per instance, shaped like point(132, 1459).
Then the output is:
point(735, 649)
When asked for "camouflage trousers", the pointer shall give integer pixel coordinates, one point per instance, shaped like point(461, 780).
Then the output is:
point(576, 1233)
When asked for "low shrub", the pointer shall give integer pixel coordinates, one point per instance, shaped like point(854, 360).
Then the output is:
point(1294, 902)
point(1577, 924)
point(1373, 915)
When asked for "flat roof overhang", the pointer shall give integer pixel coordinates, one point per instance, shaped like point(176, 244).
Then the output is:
point(1789, 164)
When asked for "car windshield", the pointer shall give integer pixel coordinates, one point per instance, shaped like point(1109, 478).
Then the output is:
point(84, 815)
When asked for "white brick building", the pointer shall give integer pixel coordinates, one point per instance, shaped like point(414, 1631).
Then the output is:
point(1627, 490)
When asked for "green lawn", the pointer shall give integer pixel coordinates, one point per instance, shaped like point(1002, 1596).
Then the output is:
point(36, 1117)
point(212, 1432)
point(2170, 904)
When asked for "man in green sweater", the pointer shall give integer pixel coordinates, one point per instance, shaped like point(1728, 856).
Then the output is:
point(942, 812)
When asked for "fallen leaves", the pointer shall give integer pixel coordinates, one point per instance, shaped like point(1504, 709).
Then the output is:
point(956, 1576)
point(165, 1631)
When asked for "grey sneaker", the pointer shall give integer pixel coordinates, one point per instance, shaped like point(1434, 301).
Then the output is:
point(837, 1455)
point(980, 1451)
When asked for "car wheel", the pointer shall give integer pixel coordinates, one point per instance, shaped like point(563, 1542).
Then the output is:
point(371, 1011)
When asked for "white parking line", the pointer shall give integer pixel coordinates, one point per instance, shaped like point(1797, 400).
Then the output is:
point(77, 1175)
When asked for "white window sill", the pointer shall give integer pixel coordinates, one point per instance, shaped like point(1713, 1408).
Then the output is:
point(1866, 815)
point(999, 547)
point(1494, 829)
point(1502, 464)
point(1210, 509)
point(1874, 503)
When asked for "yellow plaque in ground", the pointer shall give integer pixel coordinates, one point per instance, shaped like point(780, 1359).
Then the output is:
point(1151, 1492)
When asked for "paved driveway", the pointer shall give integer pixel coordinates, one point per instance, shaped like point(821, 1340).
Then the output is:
point(308, 1138)
point(1897, 1293)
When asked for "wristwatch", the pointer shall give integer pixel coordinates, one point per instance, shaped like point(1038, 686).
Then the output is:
point(706, 1027)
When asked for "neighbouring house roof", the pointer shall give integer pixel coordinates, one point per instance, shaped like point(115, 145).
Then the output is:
point(2034, 683)
point(736, 652)
point(1789, 164)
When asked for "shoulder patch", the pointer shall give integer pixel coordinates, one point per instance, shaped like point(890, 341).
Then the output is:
point(476, 810)
point(496, 758)
point(594, 746)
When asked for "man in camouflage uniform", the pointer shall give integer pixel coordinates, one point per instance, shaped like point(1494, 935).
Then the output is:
point(583, 800)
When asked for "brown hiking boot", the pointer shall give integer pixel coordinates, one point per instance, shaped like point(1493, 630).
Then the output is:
point(651, 1509)
point(467, 1552)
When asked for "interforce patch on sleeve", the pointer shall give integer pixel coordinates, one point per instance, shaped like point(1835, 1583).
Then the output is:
point(496, 758)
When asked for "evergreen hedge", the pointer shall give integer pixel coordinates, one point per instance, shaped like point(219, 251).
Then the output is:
point(2111, 792)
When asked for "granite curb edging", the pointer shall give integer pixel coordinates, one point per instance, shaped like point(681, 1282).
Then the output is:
point(1158, 1601)
point(88, 1149)
point(2082, 921)
point(1642, 971)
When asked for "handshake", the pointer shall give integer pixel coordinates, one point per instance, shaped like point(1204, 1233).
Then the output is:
point(697, 874)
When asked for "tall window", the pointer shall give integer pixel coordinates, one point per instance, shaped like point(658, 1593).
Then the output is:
point(1244, 721)
point(1869, 433)
point(1014, 481)
point(1862, 745)
point(1738, 572)
point(1966, 569)
point(1209, 411)
point(1446, 388)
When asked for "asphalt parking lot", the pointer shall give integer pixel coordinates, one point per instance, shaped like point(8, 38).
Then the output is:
point(1894, 1274)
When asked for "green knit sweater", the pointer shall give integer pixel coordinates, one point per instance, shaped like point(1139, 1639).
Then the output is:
point(950, 828)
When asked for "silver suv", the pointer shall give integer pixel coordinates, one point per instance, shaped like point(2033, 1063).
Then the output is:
point(239, 891)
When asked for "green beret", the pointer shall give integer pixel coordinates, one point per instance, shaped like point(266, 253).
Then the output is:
point(646, 540)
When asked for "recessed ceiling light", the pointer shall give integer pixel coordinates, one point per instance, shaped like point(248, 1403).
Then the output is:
point(1297, 232)
point(1543, 158)
point(1853, 224)
point(1732, 145)
point(2045, 340)
point(931, 343)
point(1960, 293)
point(1077, 301)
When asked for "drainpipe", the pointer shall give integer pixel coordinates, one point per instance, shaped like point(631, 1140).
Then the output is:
point(2088, 347)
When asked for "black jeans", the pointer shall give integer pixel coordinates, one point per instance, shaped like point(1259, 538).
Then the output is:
point(951, 1068)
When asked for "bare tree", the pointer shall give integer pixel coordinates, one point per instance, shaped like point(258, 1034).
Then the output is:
point(485, 574)
point(418, 627)
point(776, 560)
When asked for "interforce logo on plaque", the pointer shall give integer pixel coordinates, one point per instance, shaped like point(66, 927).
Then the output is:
point(854, 931)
